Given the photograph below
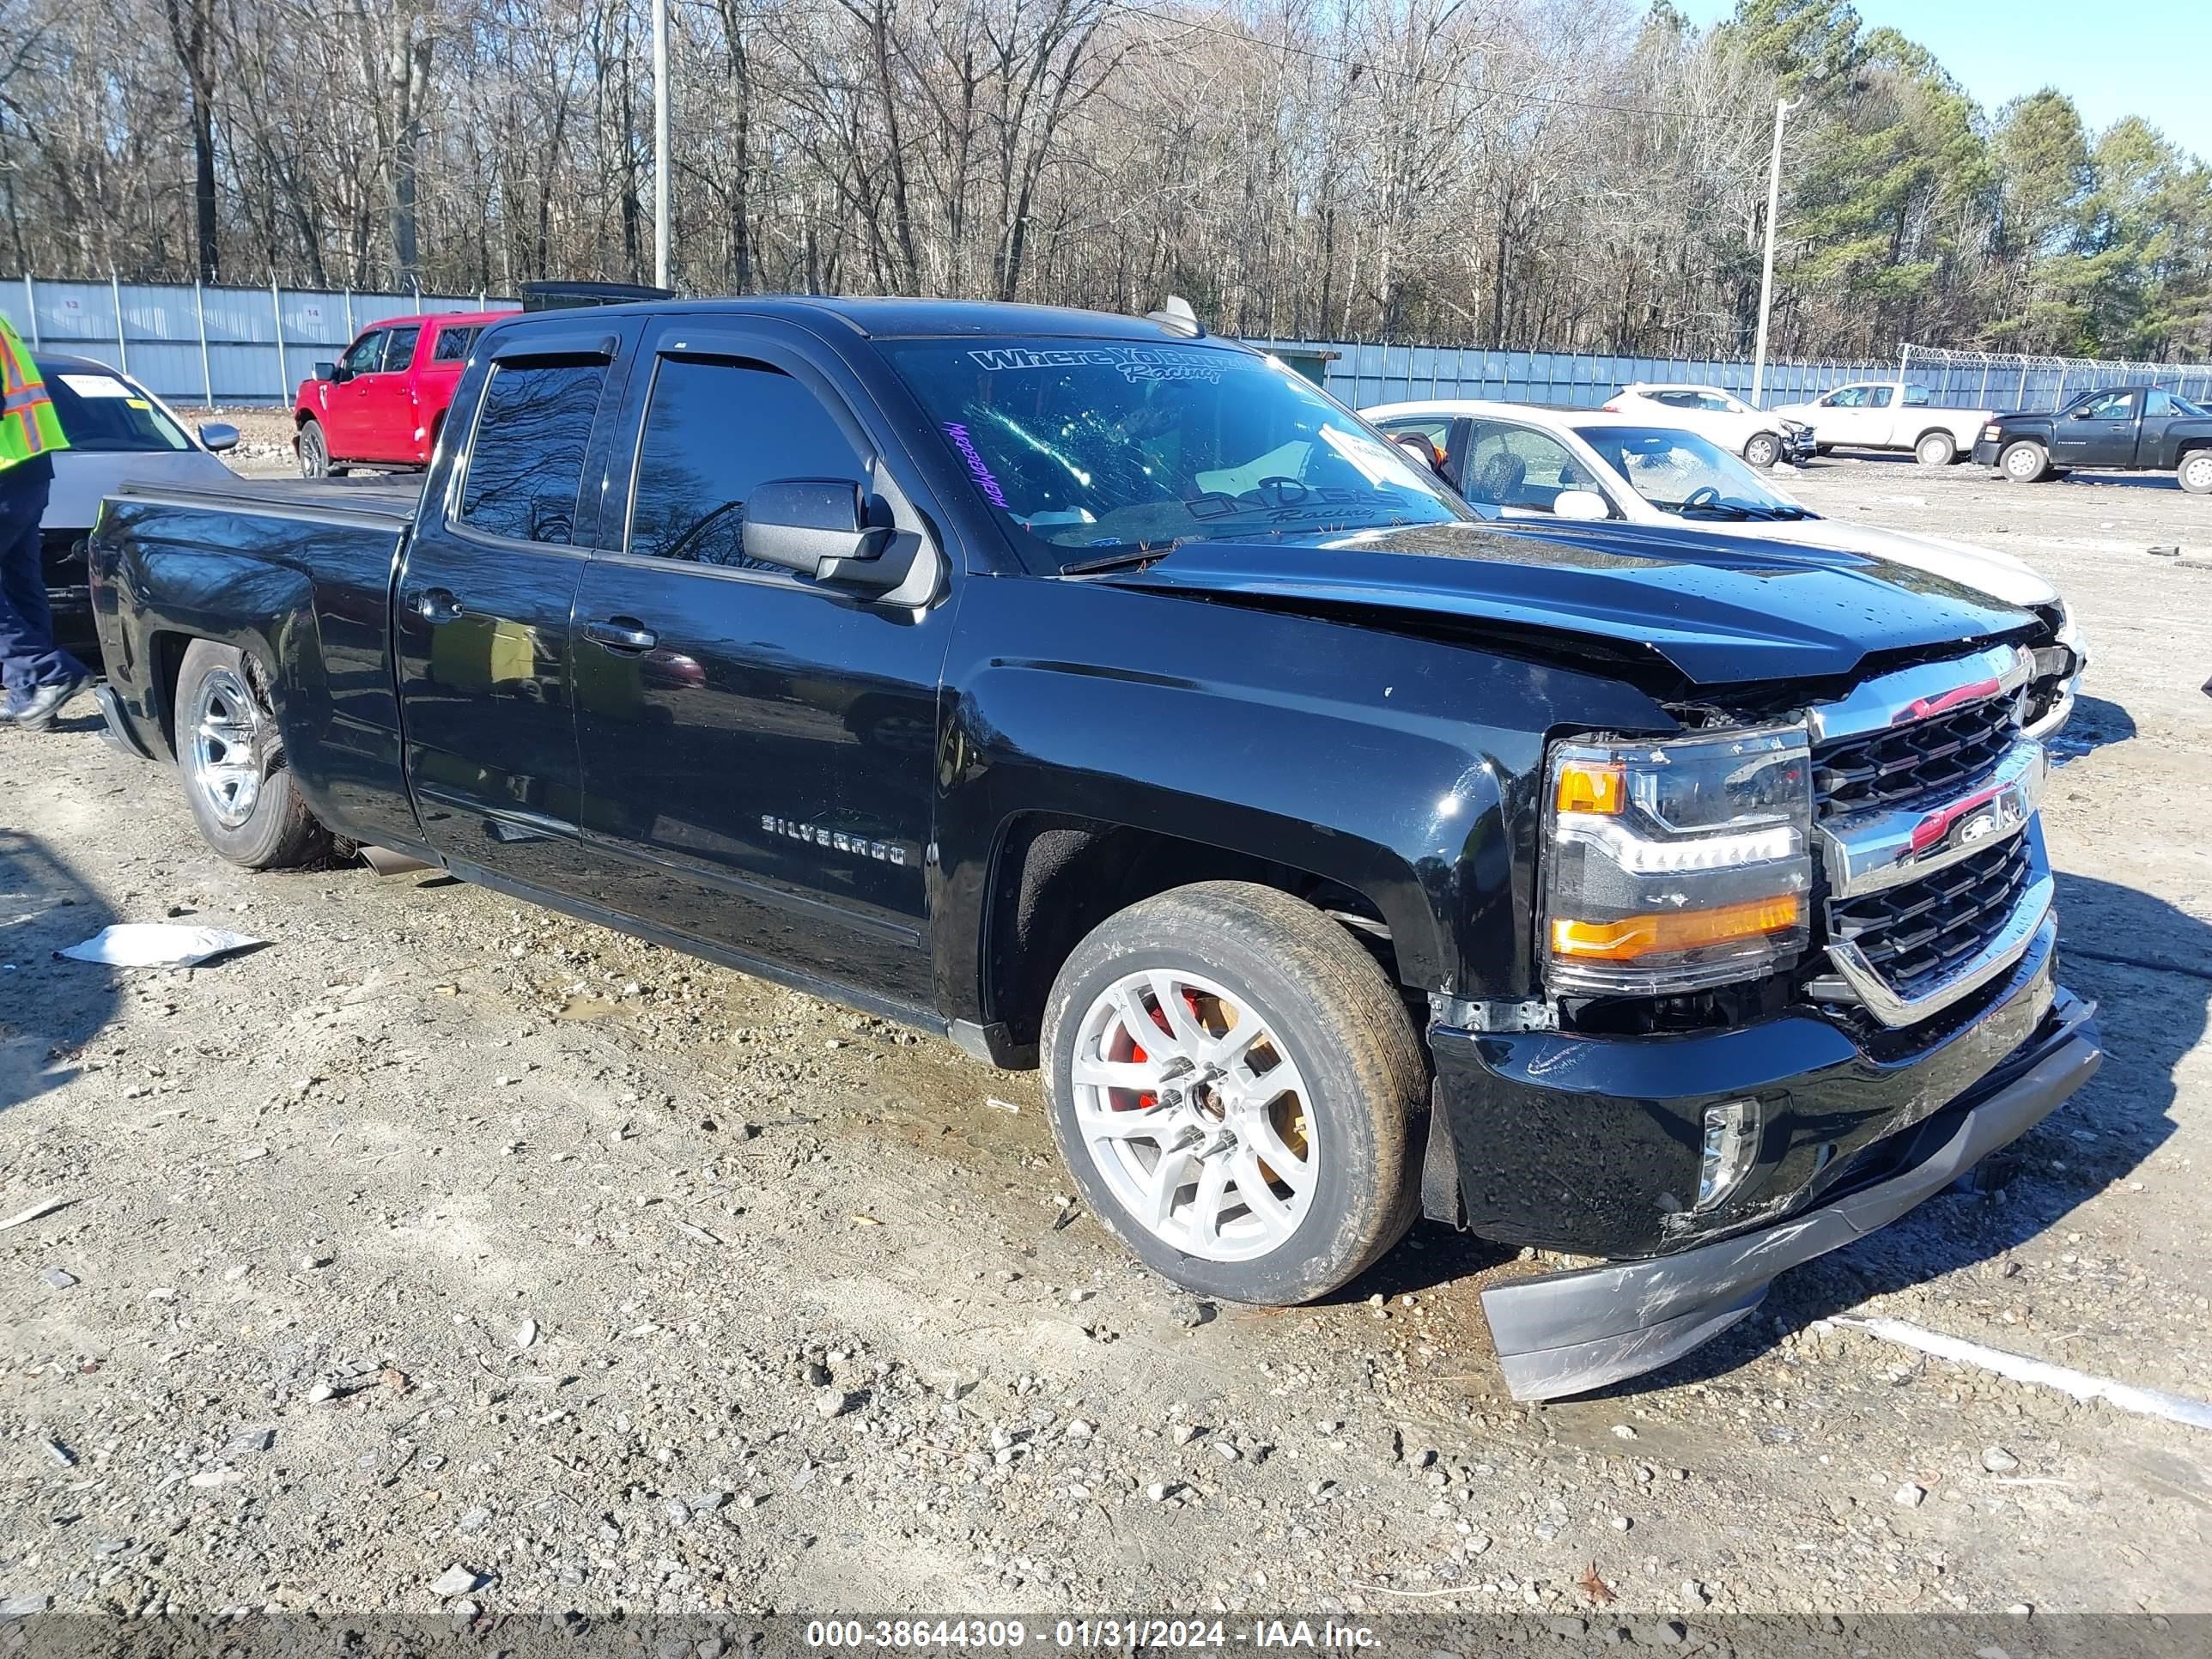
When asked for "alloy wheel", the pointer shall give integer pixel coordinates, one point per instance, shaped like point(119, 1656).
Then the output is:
point(224, 748)
point(1195, 1116)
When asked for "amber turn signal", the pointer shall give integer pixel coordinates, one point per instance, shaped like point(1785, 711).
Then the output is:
point(1585, 787)
point(1632, 937)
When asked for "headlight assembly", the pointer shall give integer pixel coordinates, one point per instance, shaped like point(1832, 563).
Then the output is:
point(1674, 866)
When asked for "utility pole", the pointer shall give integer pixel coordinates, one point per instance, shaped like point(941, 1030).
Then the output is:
point(660, 142)
point(1782, 109)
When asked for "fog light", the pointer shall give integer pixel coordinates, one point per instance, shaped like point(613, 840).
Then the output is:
point(1731, 1148)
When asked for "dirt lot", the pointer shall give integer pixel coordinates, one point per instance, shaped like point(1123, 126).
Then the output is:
point(439, 1232)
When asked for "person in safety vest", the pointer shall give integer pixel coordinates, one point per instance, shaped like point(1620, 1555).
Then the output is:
point(40, 676)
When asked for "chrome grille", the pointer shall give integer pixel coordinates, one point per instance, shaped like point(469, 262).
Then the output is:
point(1915, 936)
point(1930, 759)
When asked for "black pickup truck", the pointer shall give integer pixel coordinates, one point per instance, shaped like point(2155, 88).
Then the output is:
point(2126, 428)
point(1106, 697)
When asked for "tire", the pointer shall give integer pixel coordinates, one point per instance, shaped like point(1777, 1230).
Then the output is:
point(1936, 449)
point(1227, 953)
point(232, 763)
point(315, 450)
point(2195, 473)
point(1824, 449)
point(2025, 462)
point(1763, 450)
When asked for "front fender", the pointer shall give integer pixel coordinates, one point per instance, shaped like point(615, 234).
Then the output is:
point(1405, 768)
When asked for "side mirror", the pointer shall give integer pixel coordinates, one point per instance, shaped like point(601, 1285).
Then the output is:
point(814, 527)
point(219, 435)
point(326, 371)
point(1583, 504)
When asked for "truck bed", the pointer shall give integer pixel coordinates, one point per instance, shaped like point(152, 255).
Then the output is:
point(391, 499)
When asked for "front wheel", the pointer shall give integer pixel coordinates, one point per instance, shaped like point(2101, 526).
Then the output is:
point(1763, 450)
point(1936, 449)
point(1234, 1084)
point(314, 451)
point(2025, 462)
point(2195, 473)
point(233, 762)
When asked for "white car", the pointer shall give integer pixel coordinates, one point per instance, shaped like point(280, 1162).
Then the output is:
point(1546, 463)
point(1889, 415)
point(1762, 439)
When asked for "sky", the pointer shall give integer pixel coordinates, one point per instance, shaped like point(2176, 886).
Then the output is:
point(2147, 58)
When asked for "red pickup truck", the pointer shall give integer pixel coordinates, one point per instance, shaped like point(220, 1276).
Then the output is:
point(382, 403)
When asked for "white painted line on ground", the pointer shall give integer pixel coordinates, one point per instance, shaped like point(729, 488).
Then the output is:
point(2081, 1385)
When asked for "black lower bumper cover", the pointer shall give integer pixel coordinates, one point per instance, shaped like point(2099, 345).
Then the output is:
point(1568, 1333)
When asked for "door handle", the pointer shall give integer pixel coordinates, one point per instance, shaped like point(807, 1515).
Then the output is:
point(437, 604)
point(624, 634)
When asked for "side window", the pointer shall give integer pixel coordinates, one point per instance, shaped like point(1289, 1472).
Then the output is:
point(713, 431)
point(1878, 397)
point(1849, 398)
point(2159, 401)
point(1916, 397)
point(1718, 405)
point(2108, 406)
point(363, 356)
point(527, 459)
point(1519, 466)
point(452, 345)
point(1676, 399)
point(399, 348)
point(1438, 432)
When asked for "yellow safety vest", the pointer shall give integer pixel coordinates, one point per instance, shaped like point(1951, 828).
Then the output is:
point(28, 424)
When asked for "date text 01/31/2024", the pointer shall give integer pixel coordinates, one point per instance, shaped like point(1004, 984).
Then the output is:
point(1107, 1635)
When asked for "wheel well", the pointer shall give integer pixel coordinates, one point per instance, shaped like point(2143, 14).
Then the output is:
point(168, 665)
point(1054, 879)
point(2191, 447)
point(303, 417)
point(1937, 432)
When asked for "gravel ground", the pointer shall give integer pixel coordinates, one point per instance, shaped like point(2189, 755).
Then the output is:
point(446, 1255)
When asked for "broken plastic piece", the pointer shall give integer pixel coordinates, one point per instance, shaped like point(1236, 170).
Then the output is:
point(157, 944)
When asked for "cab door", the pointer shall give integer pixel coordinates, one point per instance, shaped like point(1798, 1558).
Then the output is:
point(2098, 431)
point(481, 617)
point(344, 404)
point(388, 400)
point(757, 750)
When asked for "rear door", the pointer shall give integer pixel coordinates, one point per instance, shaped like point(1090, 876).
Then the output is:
point(2098, 431)
point(437, 373)
point(480, 624)
point(757, 751)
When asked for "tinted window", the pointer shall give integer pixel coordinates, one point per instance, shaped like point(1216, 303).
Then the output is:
point(102, 411)
point(713, 432)
point(526, 461)
point(399, 348)
point(454, 345)
point(1519, 466)
point(363, 356)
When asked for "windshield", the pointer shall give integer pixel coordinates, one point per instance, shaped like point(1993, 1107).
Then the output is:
point(100, 411)
point(1095, 448)
point(1681, 472)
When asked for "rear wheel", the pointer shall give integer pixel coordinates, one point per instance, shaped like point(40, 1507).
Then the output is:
point(1936, 449)
point(1234, 1084)
point(314, 451)
point(233, 762)
point(2196, 473)
point(1764, 449)
point(2025, 462)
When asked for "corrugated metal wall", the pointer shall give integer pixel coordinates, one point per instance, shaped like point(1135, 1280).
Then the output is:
point(224, 345)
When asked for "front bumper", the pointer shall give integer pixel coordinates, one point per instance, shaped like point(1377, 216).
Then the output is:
point(1591, 1146)
point(1797, 444)
point(1985, 452)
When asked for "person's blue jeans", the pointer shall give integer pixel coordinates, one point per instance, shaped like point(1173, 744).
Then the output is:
point(28, 656)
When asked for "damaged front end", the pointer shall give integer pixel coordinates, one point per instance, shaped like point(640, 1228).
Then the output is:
point(1799, 975)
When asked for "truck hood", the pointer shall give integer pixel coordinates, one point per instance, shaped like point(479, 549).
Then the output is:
point(1719, 611)
point(1983, 569)
point(83, 477)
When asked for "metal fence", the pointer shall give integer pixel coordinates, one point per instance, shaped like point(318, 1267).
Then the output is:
point(1363, 373)
point(211, 345)
point(251, 345)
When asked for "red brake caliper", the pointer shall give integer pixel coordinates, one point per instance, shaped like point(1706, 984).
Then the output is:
point(1146, 1101)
